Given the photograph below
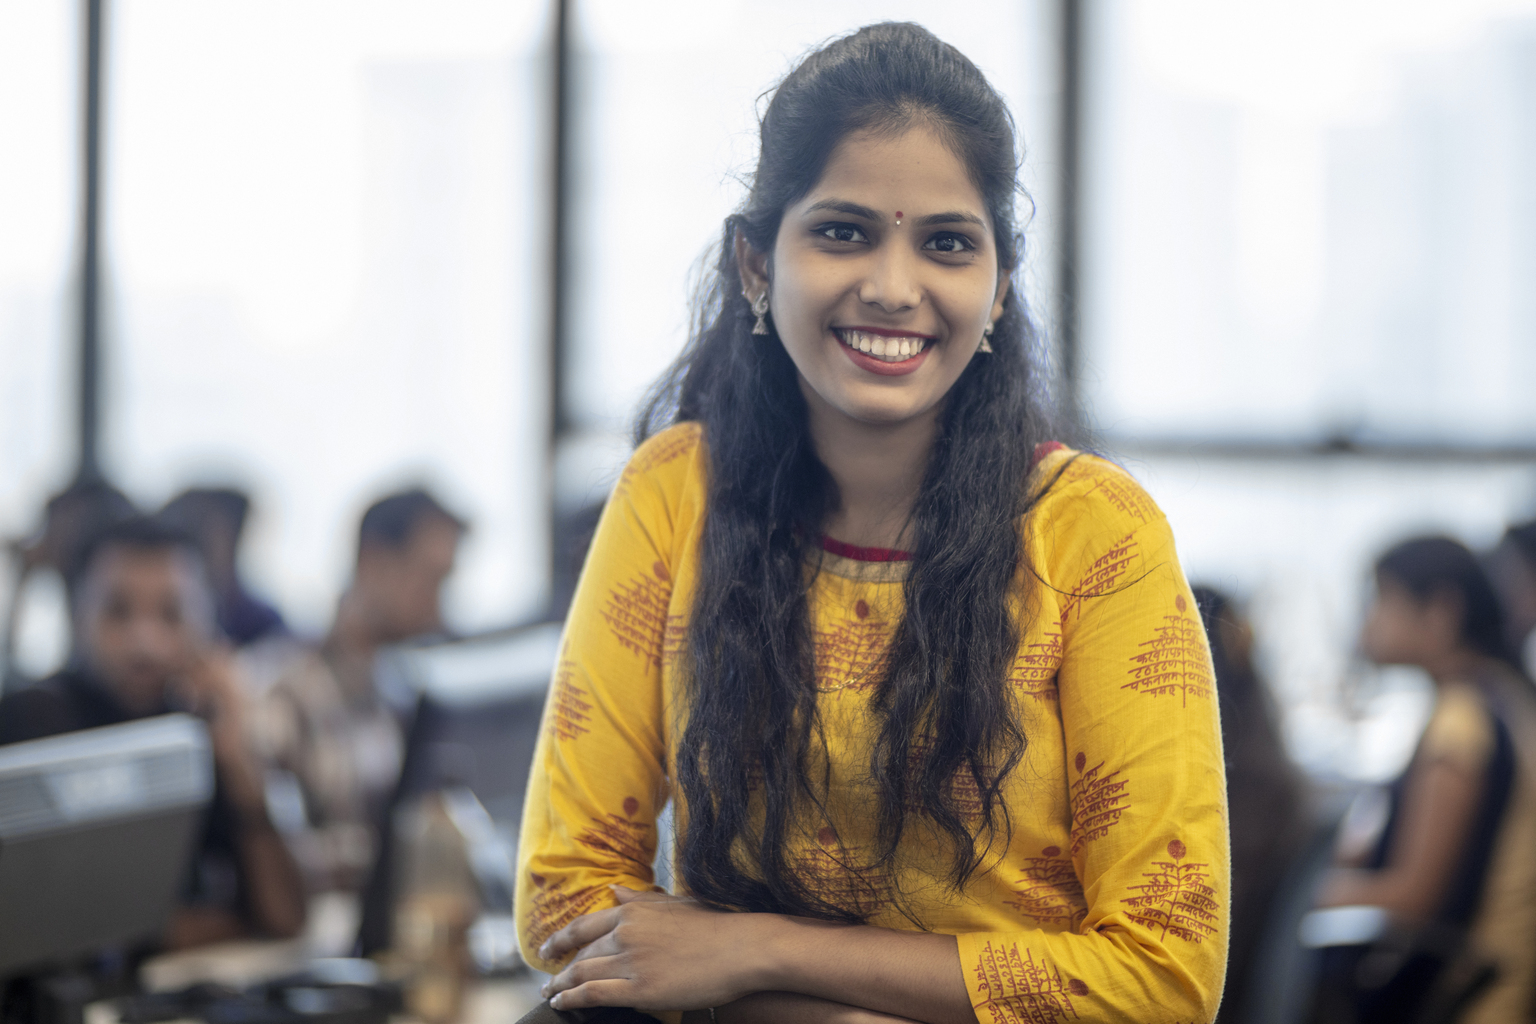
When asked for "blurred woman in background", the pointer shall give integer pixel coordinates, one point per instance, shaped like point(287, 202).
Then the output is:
point(1455, 865)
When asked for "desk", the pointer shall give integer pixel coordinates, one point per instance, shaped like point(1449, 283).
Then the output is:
point(501, 1001)
point(332, 922)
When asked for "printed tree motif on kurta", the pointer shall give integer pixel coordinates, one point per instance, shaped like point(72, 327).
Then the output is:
point(1175, 662)
point(962, 789)
point(1102, 577)
point(1034, 671)
point(619, 835)
point(1020, 990)
point(831, 873)
point(636, 613)
point(1177, 898)
point(551, 908)
point(852, 653)
point(570, 711)
point(1126, 496)
point(1050, 892)
point(1098, 800)
point(658, 451)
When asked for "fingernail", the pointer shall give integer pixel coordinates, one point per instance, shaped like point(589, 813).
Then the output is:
point(557, 1000)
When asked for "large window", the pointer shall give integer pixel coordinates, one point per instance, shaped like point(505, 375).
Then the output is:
point(1313, 219)
point(325, 244)
point(39, 49)
point(1308, 232)
point(1312, 222)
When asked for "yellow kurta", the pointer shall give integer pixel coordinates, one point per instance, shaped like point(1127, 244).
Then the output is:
point(1110, 901)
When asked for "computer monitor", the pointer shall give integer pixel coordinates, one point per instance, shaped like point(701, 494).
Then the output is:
point(96, 832)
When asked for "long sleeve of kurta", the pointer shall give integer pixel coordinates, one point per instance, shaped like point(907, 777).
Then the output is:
point(1108, 902)
point(1147, 840)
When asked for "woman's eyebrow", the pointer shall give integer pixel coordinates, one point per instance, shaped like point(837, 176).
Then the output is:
point(952, 217)
point(843, 206)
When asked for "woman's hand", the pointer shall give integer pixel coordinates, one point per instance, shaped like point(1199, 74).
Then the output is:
point(657, 951)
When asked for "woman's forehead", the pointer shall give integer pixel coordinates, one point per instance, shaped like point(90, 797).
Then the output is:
point(914, 171)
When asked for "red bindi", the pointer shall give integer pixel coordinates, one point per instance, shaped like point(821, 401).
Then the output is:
point(898, 216)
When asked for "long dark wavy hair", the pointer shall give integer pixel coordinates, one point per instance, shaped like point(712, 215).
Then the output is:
point(945, 707)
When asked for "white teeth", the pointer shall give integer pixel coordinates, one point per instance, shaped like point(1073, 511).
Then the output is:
point(890, 350)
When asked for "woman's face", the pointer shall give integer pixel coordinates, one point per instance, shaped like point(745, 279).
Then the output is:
point(883, 278)
point(1401, 629)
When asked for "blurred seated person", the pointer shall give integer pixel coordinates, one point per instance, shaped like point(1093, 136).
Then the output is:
point(70, 519)
point(215, 519)
point(1457, 856)
point(327, 722)
point(1512, 568)
point(143, 623)
point(1265, 793)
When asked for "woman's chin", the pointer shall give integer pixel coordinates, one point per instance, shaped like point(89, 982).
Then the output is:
point(883, 411)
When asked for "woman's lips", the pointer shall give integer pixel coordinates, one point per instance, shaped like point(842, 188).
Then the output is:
point(884, 352)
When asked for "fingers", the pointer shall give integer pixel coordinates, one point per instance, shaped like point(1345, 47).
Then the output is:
point(607, 992)
point(578, 933)
point(626, 895)
point(603, 945)
point(584, 980)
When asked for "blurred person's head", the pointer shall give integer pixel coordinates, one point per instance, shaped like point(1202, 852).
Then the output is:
point(1433, 604)
point(406, 546)
point(142, 610)
point(70, 519)
point(1512, 570)
point(214, 517)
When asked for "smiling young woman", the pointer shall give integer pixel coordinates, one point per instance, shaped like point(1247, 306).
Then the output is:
point(927, 689)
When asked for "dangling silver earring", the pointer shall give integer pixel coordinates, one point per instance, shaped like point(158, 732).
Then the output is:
point(986, 345)
point(760, 309)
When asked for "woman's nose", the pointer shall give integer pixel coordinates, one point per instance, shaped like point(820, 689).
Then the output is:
point(892, 281)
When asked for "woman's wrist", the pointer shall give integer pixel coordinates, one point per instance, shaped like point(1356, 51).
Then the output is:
point(766, 941)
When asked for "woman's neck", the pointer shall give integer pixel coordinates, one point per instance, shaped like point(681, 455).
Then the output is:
point(878, 470)
point(1459, 665)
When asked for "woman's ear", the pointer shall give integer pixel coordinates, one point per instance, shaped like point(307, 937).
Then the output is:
point(752, 265)
point(1003, 281)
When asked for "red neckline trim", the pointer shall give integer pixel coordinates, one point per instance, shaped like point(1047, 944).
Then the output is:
point(1043, 449)
point(859, 554)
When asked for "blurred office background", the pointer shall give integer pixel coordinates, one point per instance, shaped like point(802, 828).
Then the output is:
point(1284, 255)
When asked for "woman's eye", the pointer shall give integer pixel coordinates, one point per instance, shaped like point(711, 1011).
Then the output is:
point(842, 233)
point(949, 242)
